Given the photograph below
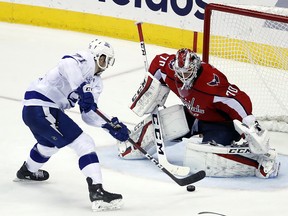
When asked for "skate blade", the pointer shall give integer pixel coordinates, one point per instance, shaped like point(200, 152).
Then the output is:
point(104, 206)
point(27, 181)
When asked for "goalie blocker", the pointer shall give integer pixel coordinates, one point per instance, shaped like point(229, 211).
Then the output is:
point(150, 95)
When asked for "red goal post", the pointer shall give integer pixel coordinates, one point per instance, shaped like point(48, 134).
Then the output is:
point(249, 44)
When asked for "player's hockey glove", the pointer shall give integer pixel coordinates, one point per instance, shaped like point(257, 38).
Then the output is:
point(73, 98)
point(86, 99)
point(117, 129)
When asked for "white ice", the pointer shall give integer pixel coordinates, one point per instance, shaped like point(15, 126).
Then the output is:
point(27, 53)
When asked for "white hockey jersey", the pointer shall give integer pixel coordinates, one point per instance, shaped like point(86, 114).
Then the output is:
point(56, 88)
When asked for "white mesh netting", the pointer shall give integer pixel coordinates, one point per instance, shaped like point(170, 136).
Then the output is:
point(253, 53)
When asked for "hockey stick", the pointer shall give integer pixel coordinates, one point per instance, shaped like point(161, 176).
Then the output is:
point(142, 44)
point(174, 169)
point(162, 157)
point(180, 181)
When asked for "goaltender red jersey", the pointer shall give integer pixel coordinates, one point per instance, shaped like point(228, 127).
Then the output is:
point(212, 119)
point(211, 97)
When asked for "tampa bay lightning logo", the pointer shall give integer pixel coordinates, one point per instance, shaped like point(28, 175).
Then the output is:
point(215, 81)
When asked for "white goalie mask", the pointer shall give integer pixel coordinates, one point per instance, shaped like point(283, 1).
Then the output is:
point(98, 48)
point(186, 66)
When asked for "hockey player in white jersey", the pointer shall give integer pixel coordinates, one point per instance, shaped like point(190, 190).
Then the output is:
point(76, 79)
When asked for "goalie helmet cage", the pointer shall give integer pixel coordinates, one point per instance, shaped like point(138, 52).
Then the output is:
point(249, 44)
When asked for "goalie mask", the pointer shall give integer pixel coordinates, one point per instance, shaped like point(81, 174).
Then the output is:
point(186, 66)
point(101, 48)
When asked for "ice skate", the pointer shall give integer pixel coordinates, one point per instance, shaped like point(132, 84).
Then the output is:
point(101, 199)
point(24, 174)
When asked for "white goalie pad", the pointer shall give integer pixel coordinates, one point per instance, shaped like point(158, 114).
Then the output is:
point(173, 125)
point(258, 141)
point(173, 122)
point(150, 94)
point(223, 161)
point(207, 157)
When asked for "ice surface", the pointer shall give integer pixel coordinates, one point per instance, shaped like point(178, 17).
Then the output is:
point(27, 53)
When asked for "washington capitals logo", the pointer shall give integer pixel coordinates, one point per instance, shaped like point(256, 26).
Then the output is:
point(215, 81)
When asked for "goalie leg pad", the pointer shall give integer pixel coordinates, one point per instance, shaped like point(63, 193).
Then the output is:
point(143, 133)
point(142, 136)
point(174, 123)
point(268, 165)
point(220, 161)
point(217, 161)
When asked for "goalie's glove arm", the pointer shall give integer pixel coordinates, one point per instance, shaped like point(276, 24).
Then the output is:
point(257, 138)
point(252, 124)
point(249, 120)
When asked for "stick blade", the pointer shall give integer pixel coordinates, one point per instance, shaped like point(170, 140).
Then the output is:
point(192, 178)
point(174, 169)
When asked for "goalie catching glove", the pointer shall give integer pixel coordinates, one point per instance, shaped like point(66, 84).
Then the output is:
point(257, 138)
point(117, 129)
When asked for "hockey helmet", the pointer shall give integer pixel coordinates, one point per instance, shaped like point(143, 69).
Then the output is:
point(186, 66)
point(99, 48)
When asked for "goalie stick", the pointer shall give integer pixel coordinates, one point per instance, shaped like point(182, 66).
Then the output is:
point(160, 146)
point(180, 181)
point(176, 170)
point(142, 44)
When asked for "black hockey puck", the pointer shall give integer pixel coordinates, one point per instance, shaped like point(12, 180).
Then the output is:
point(190, 188)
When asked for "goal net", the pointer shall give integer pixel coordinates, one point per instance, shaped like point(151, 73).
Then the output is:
point(249, 44)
